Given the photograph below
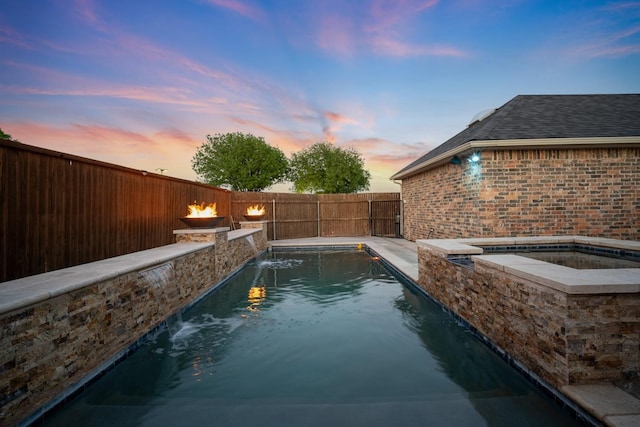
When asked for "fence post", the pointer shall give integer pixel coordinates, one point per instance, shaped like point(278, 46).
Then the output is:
point(318, 202)
point(273, 207)
point(370, 220)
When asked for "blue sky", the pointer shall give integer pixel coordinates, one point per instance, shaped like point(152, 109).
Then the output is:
point(141, 83)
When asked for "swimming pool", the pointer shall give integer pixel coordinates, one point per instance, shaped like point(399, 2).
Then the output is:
point(305, 338)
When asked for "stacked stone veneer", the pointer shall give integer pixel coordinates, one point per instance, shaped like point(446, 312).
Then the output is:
point(48, 346)
point(592, 192)
point(562, 338)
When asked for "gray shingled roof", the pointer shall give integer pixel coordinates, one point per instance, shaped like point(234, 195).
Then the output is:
point(549, 116)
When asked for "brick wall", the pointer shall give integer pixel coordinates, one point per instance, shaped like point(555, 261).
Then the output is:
point(592, 192)
point(551, 333)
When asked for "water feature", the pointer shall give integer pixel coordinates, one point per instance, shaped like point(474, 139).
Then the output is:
point(161, 278)
point(328, 338)
point(252, 243)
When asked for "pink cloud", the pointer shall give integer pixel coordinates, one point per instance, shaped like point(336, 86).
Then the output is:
point(10, 36)
point(377, 149)
point(386, 14)
point(120, 44)
point(289, 141)
point(241, 8)
point(383, 30)
point(338, 118)
point(336, 34)
point(86, 11)
point(333, 122)
point(168, 149)
point(610, 45)
point(389, 47)
point(175, 96)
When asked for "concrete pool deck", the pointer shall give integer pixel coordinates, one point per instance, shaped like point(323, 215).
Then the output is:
point(609, 404)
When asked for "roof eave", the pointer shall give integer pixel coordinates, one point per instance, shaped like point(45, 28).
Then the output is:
point(517, 144)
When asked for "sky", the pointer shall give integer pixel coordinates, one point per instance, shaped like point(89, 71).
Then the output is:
point(142, 83)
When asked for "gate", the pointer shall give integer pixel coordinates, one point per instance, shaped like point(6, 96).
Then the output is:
point(386, 216)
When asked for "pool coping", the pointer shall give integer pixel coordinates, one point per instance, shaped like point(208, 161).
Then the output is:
point(19, 293)
point(558, 277)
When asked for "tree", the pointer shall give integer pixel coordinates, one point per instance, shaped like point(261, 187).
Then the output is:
point(324, 168)
point(4, 135)
point(241, 162)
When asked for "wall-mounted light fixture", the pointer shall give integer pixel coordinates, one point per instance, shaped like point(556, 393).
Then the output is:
point(455, 160)
point(474, 158)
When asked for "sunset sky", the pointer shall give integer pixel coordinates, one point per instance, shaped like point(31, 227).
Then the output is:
point(141, 83)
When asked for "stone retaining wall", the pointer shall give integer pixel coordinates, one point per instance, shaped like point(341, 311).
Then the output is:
point(562, 338)
point(47, 347)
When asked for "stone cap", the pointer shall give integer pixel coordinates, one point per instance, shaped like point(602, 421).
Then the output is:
point(25, 291)
point(565, 279)
point(558, 277)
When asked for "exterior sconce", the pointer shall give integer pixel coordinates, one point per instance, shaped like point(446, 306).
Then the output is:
point(455, 160)
point(474, 158)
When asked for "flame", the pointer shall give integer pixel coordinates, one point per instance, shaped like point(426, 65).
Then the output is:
point(200, 211)
point(255, 210)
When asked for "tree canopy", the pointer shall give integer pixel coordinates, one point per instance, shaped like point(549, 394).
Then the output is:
point(325, 169)
point(241, 162)
point(4, 135)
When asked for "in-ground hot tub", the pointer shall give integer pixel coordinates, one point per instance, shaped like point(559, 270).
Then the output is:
point(565, 325)
point(573, 264)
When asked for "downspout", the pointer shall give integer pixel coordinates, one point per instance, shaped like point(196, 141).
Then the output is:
point(401, 207)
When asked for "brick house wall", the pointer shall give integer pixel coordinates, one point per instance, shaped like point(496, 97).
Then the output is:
point(534, 192)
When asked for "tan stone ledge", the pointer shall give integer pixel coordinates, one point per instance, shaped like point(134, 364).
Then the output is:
point(608, 403)
point(564, 279)
point(243, 232)
point(561, 278)
point(446, 247)
point(25, 291)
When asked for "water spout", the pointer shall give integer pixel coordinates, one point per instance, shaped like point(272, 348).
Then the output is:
point(252, 243)
point(160, 278)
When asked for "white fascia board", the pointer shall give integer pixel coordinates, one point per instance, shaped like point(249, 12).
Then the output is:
point(519, 144)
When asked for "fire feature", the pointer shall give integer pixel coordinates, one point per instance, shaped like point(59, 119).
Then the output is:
point(255, 213)
point(201, 216)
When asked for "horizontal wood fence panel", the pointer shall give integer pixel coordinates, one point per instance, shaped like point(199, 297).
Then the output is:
point(58, 210)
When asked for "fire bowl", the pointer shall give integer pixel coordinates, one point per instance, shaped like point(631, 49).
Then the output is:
point(201, 222)
point(254, 217)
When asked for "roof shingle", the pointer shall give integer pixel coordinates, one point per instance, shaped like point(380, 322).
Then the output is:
point(549, 116)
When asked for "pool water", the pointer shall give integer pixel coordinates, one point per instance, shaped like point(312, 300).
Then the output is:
point(314, 338)
point(580, 260)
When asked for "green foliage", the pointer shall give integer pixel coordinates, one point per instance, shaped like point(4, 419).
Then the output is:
point(325, 169)
point(241, 162)
point(4, 135)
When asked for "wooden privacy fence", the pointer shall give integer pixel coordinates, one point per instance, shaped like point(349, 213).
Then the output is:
point(294, 216)
point(59, 210)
